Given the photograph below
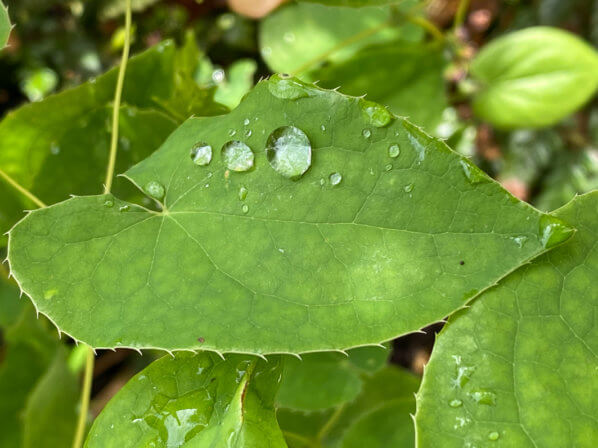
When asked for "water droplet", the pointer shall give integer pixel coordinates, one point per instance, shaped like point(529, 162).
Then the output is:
point(553, 231)
point(237, 156)
point(54, 148)
point(455, 403)
point(248, 133)
point(394, 151)
point(245, 208)
point(366, 133)
point(520, 241)
point(388, 167)
point(376, 114)
point(246, 122)
point(243, 193)
point(287, 88)
point(218, 75)
point(473, 174)
point(289, 152)
point(108, 203)
point(155, 189)
point(123, 208)
point(323, 128)
point(483, 397)
point(336, 178)
point(493, 436)
point(322, 181)
point(463, 373)
point(201, 154)
point(231, 132)
point(408, 188)
point(289, 37)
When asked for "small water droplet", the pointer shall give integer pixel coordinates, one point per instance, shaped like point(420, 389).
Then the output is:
point(388, 167)
point(237, 156)
point(243, 193)
point(322, 181)
point(289, 37)
point(483, 397)
point(376, 114)
point(336, 178)
point(473, 174)
point(493, 436)
point(455, 403)
point(108, 203)
point(394, 151)
point(54, 148)
point(553, 231)
point(245, 208)
point(366, 133)
point(201, 154)
point(248, 133)
point(155, 189)
point(123, 208)
point(323, 128)
point(231, 132)
point(520, 241)
point(246, 122)
point(289, 152)
point(463, 373)
point(408, 188)
point(287, 88)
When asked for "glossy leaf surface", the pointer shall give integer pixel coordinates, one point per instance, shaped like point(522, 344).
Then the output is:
point(368, 244)
point(194, 401)
point(534, 77)
point(519, 367)
point(5, 25)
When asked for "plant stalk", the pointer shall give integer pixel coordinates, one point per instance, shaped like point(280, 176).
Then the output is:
point(461, 13)
point(117, 97)
point(13, 183)
point(85, 395)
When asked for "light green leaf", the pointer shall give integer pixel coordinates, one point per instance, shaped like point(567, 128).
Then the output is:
point(5, 25)
point(298, 33)
point(378, 417)
point(406, 77)
point(387, 231)
point(50, 417)
point(353, 3)
point(10, 305)
point(238, 81)
point(194, 401)
point(534, 77)
point(519, 366)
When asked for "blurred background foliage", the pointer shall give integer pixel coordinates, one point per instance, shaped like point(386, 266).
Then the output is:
point(410, 57)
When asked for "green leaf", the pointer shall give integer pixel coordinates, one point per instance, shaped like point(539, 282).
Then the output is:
point(10, 305)
point(409, 81)
point(298, 33)
point(238, 81)
point(50, 416)
point(387, 396)
point(5, 25)
point(194, 401)
point(387, 231)
point(534, 77)
point(353, 3)
point(520, 365)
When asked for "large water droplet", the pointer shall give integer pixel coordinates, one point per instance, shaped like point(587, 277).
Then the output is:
point(289, 152)
point(473, 174)
point(155, 189)
point(553, 231)
point(376, 114)
point(493, 436)
point(243, 193)
point(336, 178)
point(394, 151)
point(201, 153)
point(237, 156)
point(288, 89)
point(455, 403)
point(483, 397)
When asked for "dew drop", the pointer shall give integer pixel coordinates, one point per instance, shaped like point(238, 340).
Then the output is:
point(287, 88)
point(243, 193)
point(366, 133)
point(50, 293)
point(201, 154)
point(323, 128)
point(336, 178)
point(322, 181)
point(237, 156)
point(553, 231)
point(123, 208)
point(394, 151)
point(473, 174)
point(246, 122)
point(155, 189)
point(388, 167)
point(231, 132)
point(54, 148)
point(245, 208)
point(455, 403)
point(483, 397)
point(248, 133)
point(376, 114)
point(108, 203)
point(520, 241)
point(289, 152)
point(408, 188)
point(289, 37)
point(493, 436)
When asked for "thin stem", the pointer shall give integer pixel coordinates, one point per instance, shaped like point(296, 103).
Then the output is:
point(461, 13)
point(117, 96)
point(427, 25)
point(13, 183)
point(299, 438)
point(85, 395)
point(330, 423)
point(345, 43)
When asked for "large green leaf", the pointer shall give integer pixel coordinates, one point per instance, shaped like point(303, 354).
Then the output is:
point(534, 77)
point(519, 366)
point(194, 401)
point(377, 417)
point(297, 33)
point(5, 26)
point(406, 77)
point(387, 231)
point(353, 3)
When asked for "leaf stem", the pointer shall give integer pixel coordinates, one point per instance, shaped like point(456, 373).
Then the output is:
point(117, 96)
point(461, 13)
point(85, 396)
point(330, 423)
point(427, 25)
point(13, 183)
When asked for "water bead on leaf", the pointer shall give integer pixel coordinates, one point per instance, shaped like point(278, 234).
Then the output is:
point(394, 151)
point(336, 178)
point(376, 114)
point(155, 189)
point(201, 153)
point(289, 152)
point(237, 156)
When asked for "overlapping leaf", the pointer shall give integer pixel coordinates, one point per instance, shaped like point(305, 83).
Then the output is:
point(387, 231)
point(519, 367)
point(194, 401)
point(5, 25)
